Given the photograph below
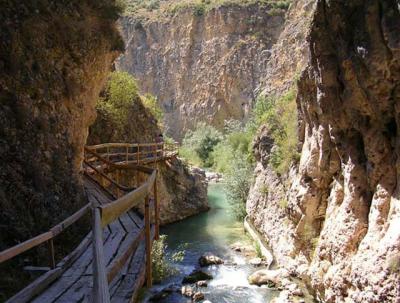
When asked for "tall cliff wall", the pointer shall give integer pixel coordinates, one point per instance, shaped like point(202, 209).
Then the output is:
point(202, 67)
point(334, 218)
point(54, 57)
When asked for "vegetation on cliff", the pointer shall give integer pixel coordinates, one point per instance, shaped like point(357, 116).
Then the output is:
point(199, 7)
point(118, 103)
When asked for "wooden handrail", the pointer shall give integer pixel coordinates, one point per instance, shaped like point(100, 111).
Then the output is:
point(105, 145)
point(44, 237)
point(113, 210)
point(108, 178)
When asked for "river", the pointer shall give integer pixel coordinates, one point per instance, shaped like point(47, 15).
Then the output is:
point(214, 232)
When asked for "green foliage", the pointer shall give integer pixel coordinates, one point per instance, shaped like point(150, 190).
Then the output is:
point(198, 145)
point(283, 203)
point(150, 102)
point(280, 116)
point(198, 7)
point(161, 262)
point(264, 190)
point(237, 183)
point(120, 92)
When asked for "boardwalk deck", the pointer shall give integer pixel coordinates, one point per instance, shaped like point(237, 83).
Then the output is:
point(76, 283)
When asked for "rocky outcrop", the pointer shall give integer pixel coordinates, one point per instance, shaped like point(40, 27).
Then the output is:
point(338, 209)
point(182, 189)
point(54, 58)
point(202, 67)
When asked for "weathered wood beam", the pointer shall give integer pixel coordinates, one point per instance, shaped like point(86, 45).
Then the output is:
point(101, 292)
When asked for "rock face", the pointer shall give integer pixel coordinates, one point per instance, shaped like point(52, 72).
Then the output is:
point(202, 67)
point(53, 63)
point(338, 210)
point(182, 189)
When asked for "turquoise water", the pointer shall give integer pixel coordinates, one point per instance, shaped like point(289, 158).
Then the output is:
point(213, 232)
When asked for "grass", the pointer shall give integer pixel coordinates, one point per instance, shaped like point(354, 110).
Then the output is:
point(257, 247)
point(264, 190)
point(283, 203)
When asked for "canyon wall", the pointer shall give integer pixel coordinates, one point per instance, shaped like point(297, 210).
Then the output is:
point(202, 67)
point(54, 58)
point(334, 218)
point(182, 190)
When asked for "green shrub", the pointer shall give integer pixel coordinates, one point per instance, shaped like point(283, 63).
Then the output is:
point(237, 183)
point(283, 203)
point(162, 267)
point(120, 92)
point(257, 247)
point(264, 190)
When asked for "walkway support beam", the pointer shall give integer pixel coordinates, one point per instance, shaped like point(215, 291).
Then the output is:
point(101, 292)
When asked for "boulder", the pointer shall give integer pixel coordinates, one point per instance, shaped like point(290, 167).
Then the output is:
point(195, 276)
point(198, 296)
point(256, 262)
point(202, 283)
point(187, 291)
point(266, 277)
point(207, 260)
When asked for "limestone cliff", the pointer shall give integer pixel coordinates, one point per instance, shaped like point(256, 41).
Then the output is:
point(54, 57)
point(333, 220)
point(201, 66)
point(182, 189)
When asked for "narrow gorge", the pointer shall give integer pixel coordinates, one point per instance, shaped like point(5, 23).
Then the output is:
point(200, 151)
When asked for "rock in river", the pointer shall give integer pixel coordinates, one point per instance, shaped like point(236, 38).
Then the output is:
point(207, 260)
point(202, 283)
point(266, 277)
point(198, 296)
point(196, 275)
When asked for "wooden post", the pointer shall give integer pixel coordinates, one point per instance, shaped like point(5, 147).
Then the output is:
point(155, 154)
point(149, 277)
point(118, 191)
point(127, 150)
point(156, 211)
point(137, 163)
point(101, 292)
point(52, 260)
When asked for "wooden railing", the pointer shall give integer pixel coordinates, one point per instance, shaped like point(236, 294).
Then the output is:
point(138, 153)
point(105, 214)
point(101, 166)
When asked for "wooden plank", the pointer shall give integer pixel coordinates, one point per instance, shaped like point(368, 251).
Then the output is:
point(101, 292)
point(40, 284)
point(36, 287)
point(113, 210)
point(117, 264)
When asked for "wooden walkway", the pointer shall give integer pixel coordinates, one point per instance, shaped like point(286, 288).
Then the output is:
point(109, 265)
